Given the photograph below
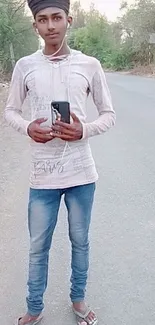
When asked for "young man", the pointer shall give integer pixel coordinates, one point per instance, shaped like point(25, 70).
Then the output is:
point(62, 162)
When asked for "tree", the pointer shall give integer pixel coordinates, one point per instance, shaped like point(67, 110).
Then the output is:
point(118, 45)
point(94, 37)
point(78, 14)
point(17, 38)
point(137, 23)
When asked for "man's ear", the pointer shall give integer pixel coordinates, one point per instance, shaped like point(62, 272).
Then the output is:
point(70, 20)
point(35, 27)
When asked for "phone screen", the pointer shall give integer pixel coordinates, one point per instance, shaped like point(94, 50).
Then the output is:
point(63, 108)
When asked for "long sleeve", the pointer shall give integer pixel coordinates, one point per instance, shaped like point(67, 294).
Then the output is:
point(102, 99)
point(17, 95)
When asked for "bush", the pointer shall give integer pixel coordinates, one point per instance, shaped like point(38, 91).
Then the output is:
point(119, 60)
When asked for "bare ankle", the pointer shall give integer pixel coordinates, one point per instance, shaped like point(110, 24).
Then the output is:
point(81, 305)
point(27, 318)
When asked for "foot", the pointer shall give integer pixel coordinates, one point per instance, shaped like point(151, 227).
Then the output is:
point(27, 319)
point(81, 307)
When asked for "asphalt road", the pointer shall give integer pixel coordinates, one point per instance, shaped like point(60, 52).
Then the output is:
point(121, 284)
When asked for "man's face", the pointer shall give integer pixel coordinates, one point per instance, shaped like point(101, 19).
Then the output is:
point(52, 25)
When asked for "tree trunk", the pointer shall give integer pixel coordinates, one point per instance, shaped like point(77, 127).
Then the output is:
point(12, 55)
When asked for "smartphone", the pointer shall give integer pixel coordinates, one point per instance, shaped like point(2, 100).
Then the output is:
point(62, 108)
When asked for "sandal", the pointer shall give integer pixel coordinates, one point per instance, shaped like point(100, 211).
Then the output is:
point(33, 322)
point(83, 318)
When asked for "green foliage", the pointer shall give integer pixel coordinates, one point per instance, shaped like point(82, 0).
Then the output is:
point(17, 38)
point(118, 45)
point(95, 37)
point(119, 59)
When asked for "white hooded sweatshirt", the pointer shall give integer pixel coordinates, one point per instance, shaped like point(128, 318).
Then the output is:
point(57, 164)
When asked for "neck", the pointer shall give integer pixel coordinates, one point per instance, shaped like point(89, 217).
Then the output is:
point(51, 49)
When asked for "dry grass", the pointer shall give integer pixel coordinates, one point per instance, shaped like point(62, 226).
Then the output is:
point(148, 71)
point(3, 95)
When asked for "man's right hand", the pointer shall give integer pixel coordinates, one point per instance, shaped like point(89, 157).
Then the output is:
point(39, 134)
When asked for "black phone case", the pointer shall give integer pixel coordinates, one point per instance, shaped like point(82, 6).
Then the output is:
point(63, 108)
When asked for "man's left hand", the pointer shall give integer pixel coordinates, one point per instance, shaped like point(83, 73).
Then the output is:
point(68, 132)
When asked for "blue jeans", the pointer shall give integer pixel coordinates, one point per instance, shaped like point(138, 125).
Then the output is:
point(42, 217)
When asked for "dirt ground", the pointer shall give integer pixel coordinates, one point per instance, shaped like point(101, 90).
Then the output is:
point(148, 71)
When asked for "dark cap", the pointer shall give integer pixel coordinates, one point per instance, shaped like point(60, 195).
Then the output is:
point(37, 5)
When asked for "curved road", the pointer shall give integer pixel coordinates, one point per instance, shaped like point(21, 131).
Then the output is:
point(122, 275)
